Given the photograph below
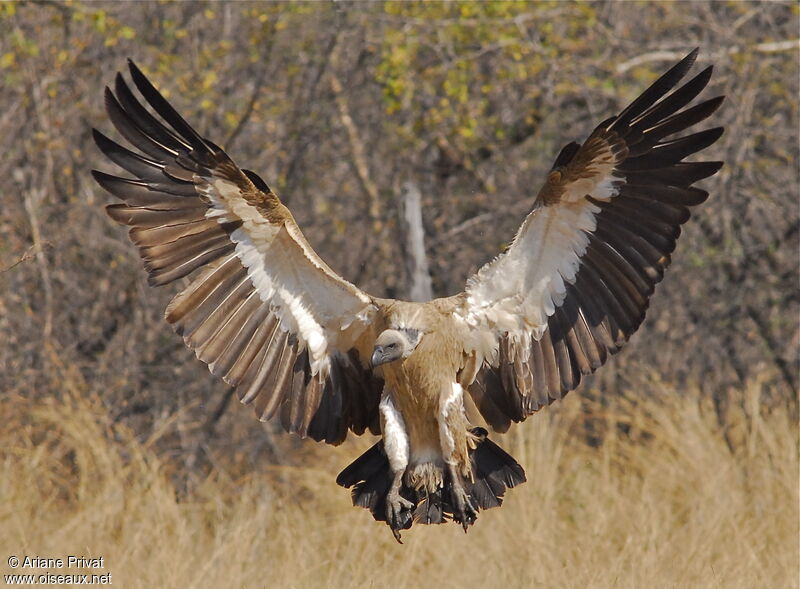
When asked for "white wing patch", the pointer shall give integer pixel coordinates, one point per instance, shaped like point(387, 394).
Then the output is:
point(520, 289)
point(310, 300)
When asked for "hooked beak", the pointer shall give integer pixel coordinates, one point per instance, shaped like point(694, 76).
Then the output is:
point(379, 356)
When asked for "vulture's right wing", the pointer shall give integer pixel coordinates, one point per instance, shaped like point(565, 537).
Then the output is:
point(577, 280)
point(265, 312)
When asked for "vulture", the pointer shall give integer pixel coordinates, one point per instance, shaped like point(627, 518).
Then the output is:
point(304, 346)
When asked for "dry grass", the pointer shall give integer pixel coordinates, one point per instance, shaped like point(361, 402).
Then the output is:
point(666, 504)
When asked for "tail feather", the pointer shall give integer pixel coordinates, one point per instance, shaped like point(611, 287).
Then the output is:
point(429, 508)
point(494, 468)
point(370, 478)
point(494, 471)
point(369, 464)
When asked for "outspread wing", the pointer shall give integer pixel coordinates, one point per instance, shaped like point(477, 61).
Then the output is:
point(577, 279)
point(264, 312)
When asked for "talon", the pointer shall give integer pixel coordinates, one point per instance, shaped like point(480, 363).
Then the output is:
point(398, 511)
point(396, 534)
point(466, 514)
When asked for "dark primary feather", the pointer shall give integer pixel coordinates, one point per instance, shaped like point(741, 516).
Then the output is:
point(136, 164)
point(671, 103)
point(627, 254)
point(656, 90)
point(201, 150)
point(149, 124)
point(219, 314)
point(128, 128)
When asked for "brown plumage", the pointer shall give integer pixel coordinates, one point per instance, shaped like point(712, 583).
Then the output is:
point(308, 348)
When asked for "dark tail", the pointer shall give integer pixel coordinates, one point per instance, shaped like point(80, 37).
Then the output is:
point(494, 471)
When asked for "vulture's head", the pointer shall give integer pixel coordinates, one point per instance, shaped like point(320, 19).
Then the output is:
point(395, 344)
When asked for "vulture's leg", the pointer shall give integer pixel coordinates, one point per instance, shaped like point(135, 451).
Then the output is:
point(395, 442)
point(453, 434)
point(398, 510)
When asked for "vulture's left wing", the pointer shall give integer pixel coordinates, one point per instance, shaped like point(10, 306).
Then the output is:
point(264, 312)
point(576, 281)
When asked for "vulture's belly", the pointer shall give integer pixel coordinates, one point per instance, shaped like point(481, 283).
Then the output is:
point(420, 413)
point(418, 386)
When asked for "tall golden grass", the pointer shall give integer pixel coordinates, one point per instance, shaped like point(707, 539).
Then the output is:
point(662, 501)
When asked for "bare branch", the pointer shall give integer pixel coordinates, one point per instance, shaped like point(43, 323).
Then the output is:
point(774, 47)
point(420, 287)
point(31, 252)
point(359, 156)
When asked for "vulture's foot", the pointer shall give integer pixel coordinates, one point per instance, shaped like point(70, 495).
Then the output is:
point(398, 512)
point(464, 512)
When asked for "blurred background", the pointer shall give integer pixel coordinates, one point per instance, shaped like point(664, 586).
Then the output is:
point(350, 111)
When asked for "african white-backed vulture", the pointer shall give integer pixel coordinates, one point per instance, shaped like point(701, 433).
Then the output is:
point(302, 344)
